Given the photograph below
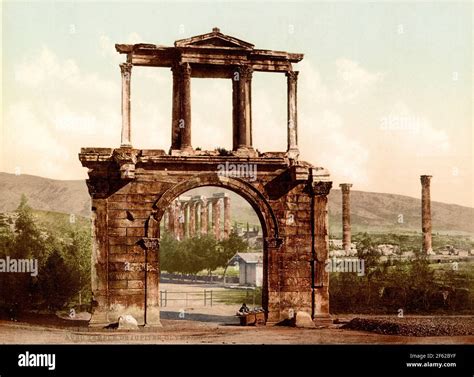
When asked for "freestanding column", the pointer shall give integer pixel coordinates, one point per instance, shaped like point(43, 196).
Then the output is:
point(192, 219)
point(182, 221)
point(292, 79)
point(346, 216)
point(185, 99)
point(204, 216)
point(171, 218)
point(226, 216)
point(185, 207)
point(216, 218)
point(177, 224)
point(426, 213)
point(126, 70)
point(244, 129)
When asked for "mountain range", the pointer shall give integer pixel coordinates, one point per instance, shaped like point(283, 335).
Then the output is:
point(370, 211)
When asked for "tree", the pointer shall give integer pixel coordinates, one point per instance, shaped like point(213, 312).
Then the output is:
point(58, 282)
point(77, 254)
point(228, 248)
point(367, 251)
point(28, 242)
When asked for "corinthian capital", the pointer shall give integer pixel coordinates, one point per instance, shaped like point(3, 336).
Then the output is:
point(126, 69)
point(292, 75)
point(245, 72)
point(186, 69)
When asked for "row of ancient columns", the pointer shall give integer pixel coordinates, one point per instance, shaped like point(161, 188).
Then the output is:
point(425, 214)
point(189, 216)
point(241, 113)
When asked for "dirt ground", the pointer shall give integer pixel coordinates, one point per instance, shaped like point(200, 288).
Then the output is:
point(200, 332)
point(198, 324)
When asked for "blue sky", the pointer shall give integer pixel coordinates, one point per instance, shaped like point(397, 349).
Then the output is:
point(385, 89)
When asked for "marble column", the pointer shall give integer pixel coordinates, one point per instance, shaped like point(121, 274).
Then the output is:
point(216, 218)
point(243, 116)
point(204, 216)
point(292, 79)
point(171, 218)
point(177, 224)
point(126, 70)
point(226, 217)
point(185, 120)
point(192, 218)
point(346, 216)
point(426, 213)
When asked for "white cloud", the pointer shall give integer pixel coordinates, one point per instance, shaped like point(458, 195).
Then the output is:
point(61, 109)
point(408, 132)
point(326, 137)
point(353, 81)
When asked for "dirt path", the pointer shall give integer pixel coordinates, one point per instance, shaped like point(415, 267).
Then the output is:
point(192, 332)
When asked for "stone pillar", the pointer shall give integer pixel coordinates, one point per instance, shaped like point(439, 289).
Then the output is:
point(185, 208)
point(152, 280)
point(204, 216)
point(176, 109)
point(177, 224)
point(216, 218)
point(292, 79)
point(320, 236)
point(99, 269)
point(185, 121)
point(192, 218)
point(181, 108)
point(426, 213)
point(226, 216)
point(244, 121)
point(235, 110)
point(346, 216)
point(126, 70)
point(182, 221)
point(271, 292)
point(171, 218)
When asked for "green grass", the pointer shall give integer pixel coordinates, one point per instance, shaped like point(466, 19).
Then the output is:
point(239, 296)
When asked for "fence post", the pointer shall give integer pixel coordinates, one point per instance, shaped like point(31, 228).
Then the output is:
point(166, 298)
point(186, 299)
point(204, 297)
point(211, 297)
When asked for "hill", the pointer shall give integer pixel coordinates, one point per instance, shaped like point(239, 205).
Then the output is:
point(372, 212)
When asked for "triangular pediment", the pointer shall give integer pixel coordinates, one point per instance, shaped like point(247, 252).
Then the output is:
point(214, 39)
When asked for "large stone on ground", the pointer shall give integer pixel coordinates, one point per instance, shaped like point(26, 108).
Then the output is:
point(127, 322)
point(303, 319)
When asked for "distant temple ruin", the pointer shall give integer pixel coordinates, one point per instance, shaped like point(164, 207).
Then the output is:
point(189, 216)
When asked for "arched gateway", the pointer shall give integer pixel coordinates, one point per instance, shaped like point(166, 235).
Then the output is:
point(131, 188)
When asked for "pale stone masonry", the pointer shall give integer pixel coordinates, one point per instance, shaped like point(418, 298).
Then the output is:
point(132, 188)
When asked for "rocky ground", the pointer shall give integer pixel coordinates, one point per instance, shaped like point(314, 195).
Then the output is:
point(415, 326)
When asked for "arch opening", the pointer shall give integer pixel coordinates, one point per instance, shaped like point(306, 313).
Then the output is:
point(212, 255)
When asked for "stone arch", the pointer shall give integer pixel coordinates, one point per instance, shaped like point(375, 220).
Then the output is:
point(253, 196)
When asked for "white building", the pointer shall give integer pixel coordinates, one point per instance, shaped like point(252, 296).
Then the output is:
point(250, 268)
